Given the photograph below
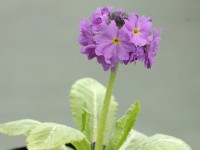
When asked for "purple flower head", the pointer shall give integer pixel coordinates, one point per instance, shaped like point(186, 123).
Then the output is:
point(89, 50)
point(85, 38)
point(138, 55)
point(121, 11)
point(104, 64)
point(152, 49)
point(106, 10)
point(100, 16)
point(113, 44)
point(155, 40)
point(119, 16)
point(138, 29)
point(113, 37)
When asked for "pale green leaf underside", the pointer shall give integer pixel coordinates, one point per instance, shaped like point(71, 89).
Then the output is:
point(19, 127)
point(50, 135)
point(123, 127)
point(133, 140)
point(45, 136)
point(163, 142)
point(86, 100)
point(139, 141)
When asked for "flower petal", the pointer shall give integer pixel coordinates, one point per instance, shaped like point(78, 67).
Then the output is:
point(122, 53)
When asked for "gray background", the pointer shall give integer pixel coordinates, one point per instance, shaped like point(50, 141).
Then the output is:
point(40, 59)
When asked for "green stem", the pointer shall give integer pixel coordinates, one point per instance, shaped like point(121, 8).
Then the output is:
point(105, 108)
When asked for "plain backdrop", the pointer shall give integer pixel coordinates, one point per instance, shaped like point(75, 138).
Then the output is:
point(40, 59)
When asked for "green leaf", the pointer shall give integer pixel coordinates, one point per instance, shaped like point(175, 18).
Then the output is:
point(163, 142)
point(19, 127)
point(50, 135)
point(86, 100)
point(62, 148)
point(123, 127)
point(139, 141)
point(133, 140)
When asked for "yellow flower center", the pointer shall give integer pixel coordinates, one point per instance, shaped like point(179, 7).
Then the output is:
point(136, 31)
point(116, 41)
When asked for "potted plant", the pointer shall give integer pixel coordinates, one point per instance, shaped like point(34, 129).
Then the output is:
point(114, 38)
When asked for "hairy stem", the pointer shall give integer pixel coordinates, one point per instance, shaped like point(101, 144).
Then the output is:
point(105, 108)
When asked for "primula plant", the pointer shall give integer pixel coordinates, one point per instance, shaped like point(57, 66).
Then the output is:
point(113, 37)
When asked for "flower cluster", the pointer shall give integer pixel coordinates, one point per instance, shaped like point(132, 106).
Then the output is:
point(115, 37)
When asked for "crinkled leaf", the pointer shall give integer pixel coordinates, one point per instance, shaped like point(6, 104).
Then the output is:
point(133, 140)
point(50, 135)
point(163, 142)
point(86, 100)
point(19, 127)
point(123, 127)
